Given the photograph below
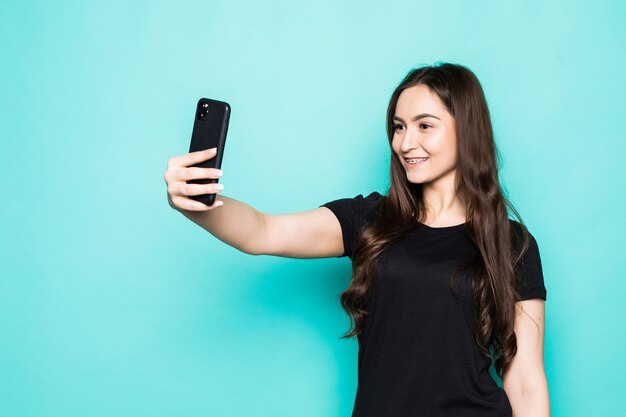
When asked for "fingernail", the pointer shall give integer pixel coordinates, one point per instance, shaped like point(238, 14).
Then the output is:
point(212, 149)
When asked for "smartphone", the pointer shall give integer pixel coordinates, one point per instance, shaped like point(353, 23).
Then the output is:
point(210, 126)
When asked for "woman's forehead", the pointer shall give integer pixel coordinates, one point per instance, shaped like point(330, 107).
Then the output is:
point(416, 100)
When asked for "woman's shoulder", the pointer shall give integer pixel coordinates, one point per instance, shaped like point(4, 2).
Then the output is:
point(366, 203)
point(364, 200)
point(518, 228)
point(358, 206)
point(517, 231)
point(373, 197)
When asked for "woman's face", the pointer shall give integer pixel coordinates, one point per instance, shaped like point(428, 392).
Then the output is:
point(424, 128)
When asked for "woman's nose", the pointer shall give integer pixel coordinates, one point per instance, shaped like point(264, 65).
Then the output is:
point(409, 141)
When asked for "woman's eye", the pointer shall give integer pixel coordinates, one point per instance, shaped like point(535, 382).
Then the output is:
point(396, 127)
point(425, 125)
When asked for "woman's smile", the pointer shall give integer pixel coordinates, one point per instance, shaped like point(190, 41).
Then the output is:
point(415, 162)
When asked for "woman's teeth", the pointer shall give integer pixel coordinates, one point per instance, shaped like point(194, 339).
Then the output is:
point(416, 161)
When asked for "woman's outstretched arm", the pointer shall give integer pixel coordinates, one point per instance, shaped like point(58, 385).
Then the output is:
point(314, 233)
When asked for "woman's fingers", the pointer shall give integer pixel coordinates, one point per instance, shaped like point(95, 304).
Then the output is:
point(193, 173)
point(180, 188)
point(188, 204)
point(179, 171)
point(191, 158)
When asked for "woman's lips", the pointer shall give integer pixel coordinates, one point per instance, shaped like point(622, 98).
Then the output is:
point(420, 162)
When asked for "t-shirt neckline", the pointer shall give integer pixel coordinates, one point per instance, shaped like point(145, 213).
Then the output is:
point(452, 228)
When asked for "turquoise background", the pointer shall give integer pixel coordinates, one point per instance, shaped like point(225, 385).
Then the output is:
point(113, 304)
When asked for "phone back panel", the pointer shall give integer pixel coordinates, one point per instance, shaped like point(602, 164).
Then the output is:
point(210, 128)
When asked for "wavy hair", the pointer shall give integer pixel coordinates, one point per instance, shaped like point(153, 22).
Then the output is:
point(500, 245)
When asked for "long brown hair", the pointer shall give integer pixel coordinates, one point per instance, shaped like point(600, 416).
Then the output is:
point(477, 184)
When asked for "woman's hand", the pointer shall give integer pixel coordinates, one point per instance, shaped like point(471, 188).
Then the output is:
point(179, 171)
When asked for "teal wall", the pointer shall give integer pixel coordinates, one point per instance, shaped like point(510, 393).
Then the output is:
point(113, 304)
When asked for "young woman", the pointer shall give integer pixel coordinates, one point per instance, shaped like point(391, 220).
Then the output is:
point(443, 281)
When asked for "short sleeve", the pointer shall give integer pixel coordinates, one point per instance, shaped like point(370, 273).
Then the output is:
point(529, 274)
point(352, 214)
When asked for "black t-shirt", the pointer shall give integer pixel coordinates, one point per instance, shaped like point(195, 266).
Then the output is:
point(417, 352)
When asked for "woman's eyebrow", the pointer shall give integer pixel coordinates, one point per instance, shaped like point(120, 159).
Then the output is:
point(417, 117)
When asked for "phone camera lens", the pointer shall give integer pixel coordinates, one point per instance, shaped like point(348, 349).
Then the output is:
point(203, 110)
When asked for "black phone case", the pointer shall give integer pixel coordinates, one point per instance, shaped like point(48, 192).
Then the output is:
point(210, 128)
